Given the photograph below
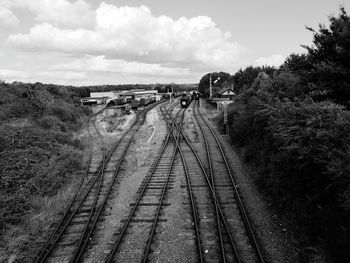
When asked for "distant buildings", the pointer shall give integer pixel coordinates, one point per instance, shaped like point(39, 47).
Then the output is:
point(97, 98)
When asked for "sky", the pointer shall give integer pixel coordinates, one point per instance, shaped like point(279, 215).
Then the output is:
point(93, 42)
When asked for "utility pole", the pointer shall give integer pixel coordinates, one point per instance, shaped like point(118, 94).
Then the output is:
point(210, 87)
point(225, 118)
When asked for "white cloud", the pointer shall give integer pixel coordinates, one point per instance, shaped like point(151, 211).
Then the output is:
point(58, 12)
point(274, 60)
point(11, 73)
point(7, 18)
point(62, 75)
point(101, 64)
point(134, 34)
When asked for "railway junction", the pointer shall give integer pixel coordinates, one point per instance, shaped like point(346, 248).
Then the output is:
point(162, 191)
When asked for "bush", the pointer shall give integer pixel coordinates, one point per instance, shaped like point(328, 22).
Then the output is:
point(301, 150)
point(37, 153)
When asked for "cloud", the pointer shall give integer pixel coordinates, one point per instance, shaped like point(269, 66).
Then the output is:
point(63, 75)
point(7, 19)
point(274, 60)
point(133, 34)
point(58, 12)
point(11, 73)
point(98, 64)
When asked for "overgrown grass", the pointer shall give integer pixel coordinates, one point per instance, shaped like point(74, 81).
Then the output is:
point(18, 240)
point(40, 161)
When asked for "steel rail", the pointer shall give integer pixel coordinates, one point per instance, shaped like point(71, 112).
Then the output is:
point(126, 224)
point(48, 249)
point(193, 203)
point(79, 204)
point(91, 212)
point(211, 173)
point(77, 256)
point(223, 218)
point(81, 246)
point(237, 196)
point(165, 186)
point(69, 206)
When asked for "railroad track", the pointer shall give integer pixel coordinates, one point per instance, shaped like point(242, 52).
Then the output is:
point(225, 190)
point(135, 236)
point(220, 228)
point(210, 239)
point(73, 233)
point(224, 229)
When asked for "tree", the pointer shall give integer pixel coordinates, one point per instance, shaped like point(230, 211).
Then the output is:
point(203, 86)
point(244, 78)
point(330, 59)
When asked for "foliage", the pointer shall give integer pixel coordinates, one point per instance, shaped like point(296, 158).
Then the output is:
point(293, 123)
point(37, 153)
point(330, 60)
point(218, 78)
point(242, 79)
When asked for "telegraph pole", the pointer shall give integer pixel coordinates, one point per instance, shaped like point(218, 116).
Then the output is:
point(210, 87)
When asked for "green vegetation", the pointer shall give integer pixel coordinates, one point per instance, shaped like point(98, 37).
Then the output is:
point(293, 124)
point(38, 156)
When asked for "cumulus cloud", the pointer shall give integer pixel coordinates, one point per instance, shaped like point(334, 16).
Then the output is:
point(101, 64)
point(58, 12)
point(7, 19)
point(274, 60)
point(134, 34)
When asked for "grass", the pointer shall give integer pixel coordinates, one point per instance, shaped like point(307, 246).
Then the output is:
point(41, 153)
point(19, 239)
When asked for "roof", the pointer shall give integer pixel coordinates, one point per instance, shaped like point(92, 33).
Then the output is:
point(94, 98)
point(223, 90)
point(138, 92)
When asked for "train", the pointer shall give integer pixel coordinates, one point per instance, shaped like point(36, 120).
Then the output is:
point(185, 101)
point(195, 95)
point(134, 104)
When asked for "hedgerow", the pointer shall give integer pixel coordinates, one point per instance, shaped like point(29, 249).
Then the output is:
point(293, 124)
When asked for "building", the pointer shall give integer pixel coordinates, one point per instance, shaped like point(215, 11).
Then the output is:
point(226, 93)
point(108, 94)
point(138, 94)
point(97, 98)
point(93, 101)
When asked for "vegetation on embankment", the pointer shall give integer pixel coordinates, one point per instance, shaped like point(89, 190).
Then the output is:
point(38, 158)
point(293, 123)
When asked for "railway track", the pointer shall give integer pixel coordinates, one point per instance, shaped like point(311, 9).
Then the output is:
point(225, 190)
point(224, 228)
point(220, 230)
point(135, 236)
point(212, 243)
point(73, 233)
